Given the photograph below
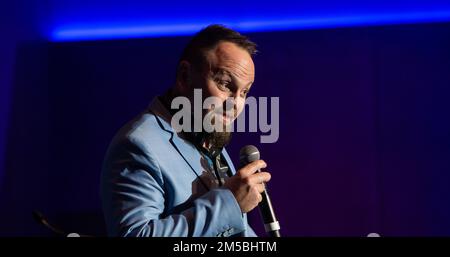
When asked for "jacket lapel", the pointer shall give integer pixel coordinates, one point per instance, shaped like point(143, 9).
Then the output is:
point(228, 160)
point(189, 153)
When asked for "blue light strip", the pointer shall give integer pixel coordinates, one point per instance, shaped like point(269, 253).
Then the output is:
point(160, 29)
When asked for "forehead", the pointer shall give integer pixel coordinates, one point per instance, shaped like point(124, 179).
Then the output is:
point(232, 58)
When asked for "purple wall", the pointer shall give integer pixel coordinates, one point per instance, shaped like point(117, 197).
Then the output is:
point(23, 65)
point(364, 135)
point(21, 22)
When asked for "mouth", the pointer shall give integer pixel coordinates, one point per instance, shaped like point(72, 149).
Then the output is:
point(225, 117)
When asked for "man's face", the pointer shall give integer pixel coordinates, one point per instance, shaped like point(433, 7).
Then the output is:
point(228, 75)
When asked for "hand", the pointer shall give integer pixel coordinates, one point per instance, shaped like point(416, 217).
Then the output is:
point(248, 184)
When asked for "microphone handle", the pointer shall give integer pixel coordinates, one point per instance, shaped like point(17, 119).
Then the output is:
point(271, 224)
point(275, 233)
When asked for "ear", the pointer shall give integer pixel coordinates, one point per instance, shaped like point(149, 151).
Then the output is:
point(184, 74)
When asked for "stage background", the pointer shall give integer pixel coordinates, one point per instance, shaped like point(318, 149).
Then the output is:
point(364, 124)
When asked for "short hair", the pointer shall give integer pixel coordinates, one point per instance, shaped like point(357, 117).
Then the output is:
point(208, 38)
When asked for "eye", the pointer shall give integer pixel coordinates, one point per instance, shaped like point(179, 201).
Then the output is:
point(244, 93)
point(223, 84)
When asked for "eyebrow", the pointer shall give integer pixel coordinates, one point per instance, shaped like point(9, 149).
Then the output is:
point(221, 71)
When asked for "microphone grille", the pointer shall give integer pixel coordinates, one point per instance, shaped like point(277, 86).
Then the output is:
point(248, 154)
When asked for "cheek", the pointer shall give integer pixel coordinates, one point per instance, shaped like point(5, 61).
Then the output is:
point(211, 90)
point(240, 103)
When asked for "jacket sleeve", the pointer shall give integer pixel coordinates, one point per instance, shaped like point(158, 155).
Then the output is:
point(250, 232)
point(133, 196)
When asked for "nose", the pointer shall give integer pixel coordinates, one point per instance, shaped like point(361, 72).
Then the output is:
point(230, 104)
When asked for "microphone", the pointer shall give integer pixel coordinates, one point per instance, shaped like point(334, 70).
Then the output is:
point(248, 154)
point(39, 218)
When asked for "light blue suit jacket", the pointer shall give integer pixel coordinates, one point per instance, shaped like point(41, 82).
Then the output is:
point(154, 183)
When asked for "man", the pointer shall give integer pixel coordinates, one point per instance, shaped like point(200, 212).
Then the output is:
point(157, 181)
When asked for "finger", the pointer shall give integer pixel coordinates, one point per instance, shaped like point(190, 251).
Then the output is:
point(258, 178)
point(260, 188)
point(252, 168)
